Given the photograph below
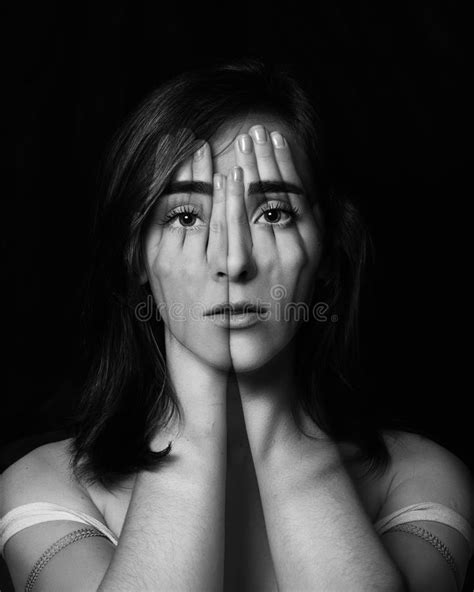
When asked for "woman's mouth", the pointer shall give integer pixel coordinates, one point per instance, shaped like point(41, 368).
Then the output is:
point(235, 320)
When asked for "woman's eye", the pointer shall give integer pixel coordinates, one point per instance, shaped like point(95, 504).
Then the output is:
point(273, 214)
point(186, 219)
point(182, 218)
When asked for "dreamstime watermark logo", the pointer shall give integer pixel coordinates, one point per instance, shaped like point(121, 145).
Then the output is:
point(279, 309)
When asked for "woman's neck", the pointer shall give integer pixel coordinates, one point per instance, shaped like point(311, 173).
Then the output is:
point(269, 390)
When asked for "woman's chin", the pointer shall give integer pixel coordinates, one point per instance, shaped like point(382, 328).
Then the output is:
point(240, 362)
point(250, 360)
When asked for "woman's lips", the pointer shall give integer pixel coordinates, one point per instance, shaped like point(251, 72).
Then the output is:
point(235, 320)
point(235, 307)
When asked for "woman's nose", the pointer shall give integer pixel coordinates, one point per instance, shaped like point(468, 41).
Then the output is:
point(235, 259)
point(240, 267)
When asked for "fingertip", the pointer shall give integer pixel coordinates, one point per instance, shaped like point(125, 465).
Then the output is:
point(201, 150)
point(259, 134)
point(244, 144)
point(278, 140)
point(219, 181)
point(237, 174)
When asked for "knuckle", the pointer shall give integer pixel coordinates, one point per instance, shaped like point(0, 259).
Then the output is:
point(217, 227)
point(218, 197)
point(265, 154)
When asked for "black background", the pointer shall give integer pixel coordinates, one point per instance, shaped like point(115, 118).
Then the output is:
point(394, 88)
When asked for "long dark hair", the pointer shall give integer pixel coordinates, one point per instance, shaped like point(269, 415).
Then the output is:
point(126, 396)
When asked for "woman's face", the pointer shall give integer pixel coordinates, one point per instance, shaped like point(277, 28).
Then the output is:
point(256, 240)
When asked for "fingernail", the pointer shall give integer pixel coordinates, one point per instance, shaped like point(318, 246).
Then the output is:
point(278, 140)
point(219, 181)
point(259, 133)
point(245, 144)
point(237, 174)
point(199, 153)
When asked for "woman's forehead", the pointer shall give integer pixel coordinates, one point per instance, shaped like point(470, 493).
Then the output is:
point(222, 143)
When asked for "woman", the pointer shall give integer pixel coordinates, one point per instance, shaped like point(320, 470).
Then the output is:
point(215, 449)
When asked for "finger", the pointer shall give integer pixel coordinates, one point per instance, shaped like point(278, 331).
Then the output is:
point(202, 174)
point(288, 247)
point(217, 243)
point(267, 171)
point(182, 173)
point(262, 236)
point(185, 171)
point(267, 166)
point(307, 224)
point(238, 231)
point(202, 164)
point(284, 159)
point(198, 169)
point(299, 245)
point(289, 173)
point(245, 158)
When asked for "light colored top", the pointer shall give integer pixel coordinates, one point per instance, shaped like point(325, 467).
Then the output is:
point(430, 511)
point(35, 513)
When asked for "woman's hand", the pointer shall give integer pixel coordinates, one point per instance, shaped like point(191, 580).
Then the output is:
point(285, 231)
point(186, 250)
point(174, 537)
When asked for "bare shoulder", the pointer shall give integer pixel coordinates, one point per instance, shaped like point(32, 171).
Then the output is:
point(44, 475)
point(424, 470)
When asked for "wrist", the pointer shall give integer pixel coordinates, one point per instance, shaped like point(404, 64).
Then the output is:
point(188, 438)
point(274, 433)
point(305, 451)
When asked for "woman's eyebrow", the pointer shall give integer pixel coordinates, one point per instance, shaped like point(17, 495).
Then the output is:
point(189, 187)
point(262, 187)
point(255, 188)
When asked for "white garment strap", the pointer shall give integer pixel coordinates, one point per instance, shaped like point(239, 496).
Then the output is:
point(430, 511)
point(35, 513)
